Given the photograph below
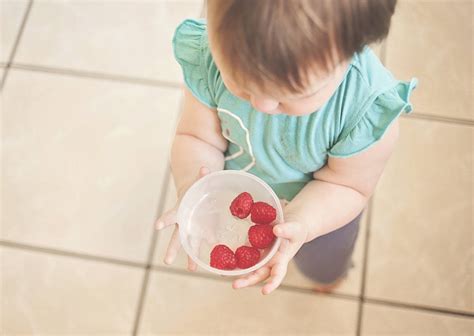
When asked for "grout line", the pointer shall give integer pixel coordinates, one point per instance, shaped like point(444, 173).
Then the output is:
point(448, 120)
point(177, 85)
point(161, 209)
point(53, 251)
point(155, 236)
point(4, 67)
point(445, 311)
point(2, 78)
point(287, 288)
point(151, 252)
point(17, 43)
point(416, 115)
point(141, 301)
point(348, 297)
point(365, 261)
point(165, 269)
point(96, 75)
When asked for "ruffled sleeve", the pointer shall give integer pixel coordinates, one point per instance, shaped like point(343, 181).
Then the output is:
point(189, 51)
point(376, 116)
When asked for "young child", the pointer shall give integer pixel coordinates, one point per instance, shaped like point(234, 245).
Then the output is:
point(290, 92)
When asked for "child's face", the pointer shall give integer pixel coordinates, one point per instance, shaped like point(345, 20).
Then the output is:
point(317, 93)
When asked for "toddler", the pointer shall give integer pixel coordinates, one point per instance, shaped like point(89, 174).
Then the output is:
point(289, 91)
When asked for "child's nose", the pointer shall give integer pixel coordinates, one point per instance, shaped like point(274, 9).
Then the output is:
point(264, 105)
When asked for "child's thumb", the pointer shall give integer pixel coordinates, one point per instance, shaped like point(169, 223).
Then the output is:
point(203, 172)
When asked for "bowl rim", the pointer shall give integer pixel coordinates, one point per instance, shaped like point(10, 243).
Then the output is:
point(236, 272)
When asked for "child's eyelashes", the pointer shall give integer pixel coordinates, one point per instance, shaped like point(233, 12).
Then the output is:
point(313, 93)
point(306, 96)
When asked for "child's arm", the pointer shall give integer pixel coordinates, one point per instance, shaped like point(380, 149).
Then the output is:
point(198, 147)
point(198, 143)
point(341, 189)
point(338, 194)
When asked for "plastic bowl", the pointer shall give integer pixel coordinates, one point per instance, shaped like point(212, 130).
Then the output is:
point(205, 220)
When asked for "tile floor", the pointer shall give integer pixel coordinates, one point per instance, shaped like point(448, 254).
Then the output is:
point(85, 133)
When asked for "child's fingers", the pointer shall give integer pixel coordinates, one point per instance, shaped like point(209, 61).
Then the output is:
point(283, 250)
point(192, 266)
point(287, 230)
point(287, 250)
point(173, 247)
point(277, 275)
point(166, 219)
point(253, 278)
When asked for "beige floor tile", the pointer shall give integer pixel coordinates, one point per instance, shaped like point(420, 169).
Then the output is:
point(84, 162)
point(2, 71)
point(352, 284)
point(45, 294)
point(432, 40)
point(381, 320)
point(11, 15)
point(127, 38)
point(178, 304)
point(421, 247)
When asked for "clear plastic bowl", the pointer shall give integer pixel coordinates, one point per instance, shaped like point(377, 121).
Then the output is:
point(205, 220)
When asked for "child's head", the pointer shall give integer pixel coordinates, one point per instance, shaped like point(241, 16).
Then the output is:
point(288, 56)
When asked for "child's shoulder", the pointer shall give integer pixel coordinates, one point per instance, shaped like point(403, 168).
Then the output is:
point(373, 99)
point(191, 33)
point(190, 44)
point(191, 51)
point(370, 69)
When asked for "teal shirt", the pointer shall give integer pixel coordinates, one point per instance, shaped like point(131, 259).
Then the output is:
point(286, 150)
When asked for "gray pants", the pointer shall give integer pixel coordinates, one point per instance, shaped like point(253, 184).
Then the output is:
point(328, 258)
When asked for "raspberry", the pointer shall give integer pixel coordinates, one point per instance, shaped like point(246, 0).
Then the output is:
point(247, 256)
point(223, 258)
point(261, 236)
point(262, 213)
point(241, 205)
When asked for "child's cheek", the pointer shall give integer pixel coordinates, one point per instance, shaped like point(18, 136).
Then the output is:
point(238, 93)
point(302, 107)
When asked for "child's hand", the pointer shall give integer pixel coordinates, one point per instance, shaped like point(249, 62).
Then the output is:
point(293, 235)
point(169, 218)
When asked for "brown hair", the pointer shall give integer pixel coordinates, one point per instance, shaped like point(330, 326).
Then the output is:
point(281, 40)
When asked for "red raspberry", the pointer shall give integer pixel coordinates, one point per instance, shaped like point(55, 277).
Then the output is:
point(261, 236)
point(247, 256)
point(223, 258)
point(262, 213)
point(241, 205)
